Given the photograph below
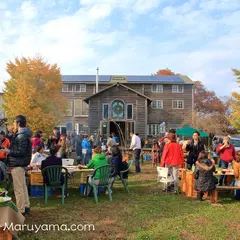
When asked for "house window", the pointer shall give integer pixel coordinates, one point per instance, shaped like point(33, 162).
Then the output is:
point(177, 88)
point(69, 110)
point(118, 109)
point(80, 88)
point(129, 111)
point(155, 129)
point(105, 110)
point(178, 104)
point(83, 129)
point(65, 88)
point(80, 108)
point(156, 88)
point(157, 104)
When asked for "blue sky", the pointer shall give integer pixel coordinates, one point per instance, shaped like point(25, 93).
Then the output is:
point(198, 38)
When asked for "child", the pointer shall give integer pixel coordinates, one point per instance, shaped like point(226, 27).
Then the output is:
point(205, 181)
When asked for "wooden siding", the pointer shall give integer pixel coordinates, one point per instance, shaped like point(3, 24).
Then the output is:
point(117, 92)
point(172, 117)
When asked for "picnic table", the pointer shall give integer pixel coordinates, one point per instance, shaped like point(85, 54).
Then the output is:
point(77, 175)
point(188, 180)
point(9, 215)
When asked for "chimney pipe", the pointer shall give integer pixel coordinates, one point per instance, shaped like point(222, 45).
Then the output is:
point(97, 80)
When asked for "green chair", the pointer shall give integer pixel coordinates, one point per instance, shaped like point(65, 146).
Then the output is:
point(105, 180)
point(125, 180)
point(54, 176)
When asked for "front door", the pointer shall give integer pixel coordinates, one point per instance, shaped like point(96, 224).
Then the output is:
point(121, 128)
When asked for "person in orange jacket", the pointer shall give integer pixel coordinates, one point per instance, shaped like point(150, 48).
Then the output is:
point(172, 158)
point(5, 143)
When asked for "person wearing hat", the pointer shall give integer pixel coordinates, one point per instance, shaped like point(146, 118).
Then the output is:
point(5, 143)
point(172, 158)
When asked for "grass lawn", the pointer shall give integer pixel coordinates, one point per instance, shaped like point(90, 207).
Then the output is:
point(145, 213)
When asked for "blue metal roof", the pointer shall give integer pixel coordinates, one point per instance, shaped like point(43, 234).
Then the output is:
point(131, 78)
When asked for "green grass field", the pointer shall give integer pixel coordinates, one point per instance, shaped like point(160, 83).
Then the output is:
point(145, 213)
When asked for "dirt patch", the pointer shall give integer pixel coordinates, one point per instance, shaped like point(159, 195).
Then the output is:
point(202, 220)
point(190, 236)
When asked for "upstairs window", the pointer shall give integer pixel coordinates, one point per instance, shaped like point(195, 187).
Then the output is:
point(178, 104)
point(178, 88)
point(156, 88)
point(157, 104)
point(65, 88)
point(80, 88)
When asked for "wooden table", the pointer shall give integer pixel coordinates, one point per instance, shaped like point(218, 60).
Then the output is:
point(188, 181)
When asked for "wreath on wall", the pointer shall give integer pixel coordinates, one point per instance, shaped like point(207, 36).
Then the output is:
point(118, 108)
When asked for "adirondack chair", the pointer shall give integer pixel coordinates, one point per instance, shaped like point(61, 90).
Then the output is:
point(54, 176)
point(125, 180)
point(104, 181)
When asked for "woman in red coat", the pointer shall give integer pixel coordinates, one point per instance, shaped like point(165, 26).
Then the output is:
point(172, 158)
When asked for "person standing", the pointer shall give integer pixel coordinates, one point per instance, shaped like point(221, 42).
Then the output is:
point(5, 143)
point(136, 147)
point(10, 133)
point(54, 139)
point(78, 148)
point(86, 150)
point(19, 156)
point(227, 155)
point(172, 158)
point(194, 147)
point(36, 141)
point(115, 138)
point(63, 146)
point(110, 143)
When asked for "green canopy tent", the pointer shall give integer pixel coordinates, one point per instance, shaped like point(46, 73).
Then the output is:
point(188, 132)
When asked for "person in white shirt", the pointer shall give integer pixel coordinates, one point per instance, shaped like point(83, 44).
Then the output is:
point(136, 147)
point(38, 157)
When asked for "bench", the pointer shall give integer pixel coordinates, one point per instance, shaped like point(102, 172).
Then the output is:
point(214, 193)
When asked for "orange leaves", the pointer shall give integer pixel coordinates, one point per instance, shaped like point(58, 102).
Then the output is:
point(164, 72)
point(34, 90)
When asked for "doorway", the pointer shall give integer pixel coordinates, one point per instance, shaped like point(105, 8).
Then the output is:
point(119, 129)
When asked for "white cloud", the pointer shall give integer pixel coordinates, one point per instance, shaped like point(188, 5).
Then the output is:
point(3, 5)
point(225, 5)
point(100, 11)
point(90, 37)
point(143, 6)
point(28, 10)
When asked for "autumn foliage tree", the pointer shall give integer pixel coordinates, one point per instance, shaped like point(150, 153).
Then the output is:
point(206, 101)
point(210, 112)
point(164, 72)
point(235, 104)
point(33, 90)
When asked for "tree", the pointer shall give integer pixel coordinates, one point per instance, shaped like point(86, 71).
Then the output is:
point(215, 123)
point(210, 112)
point(164, 72)
point(235, 104)
point(33, 90)
point(206, 101)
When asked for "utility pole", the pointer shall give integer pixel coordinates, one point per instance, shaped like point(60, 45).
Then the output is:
point(97, 80)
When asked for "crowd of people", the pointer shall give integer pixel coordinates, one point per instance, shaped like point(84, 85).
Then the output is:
point(19, 150)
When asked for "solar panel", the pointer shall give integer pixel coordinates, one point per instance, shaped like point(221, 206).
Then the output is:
point(131, 78)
